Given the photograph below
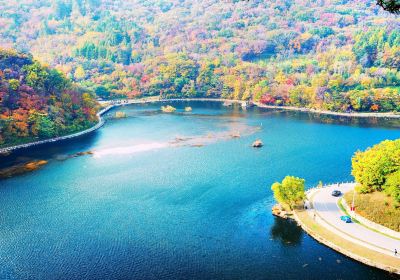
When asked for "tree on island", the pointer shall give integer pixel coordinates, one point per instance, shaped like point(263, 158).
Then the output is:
point(290, 192)
point(392, 6)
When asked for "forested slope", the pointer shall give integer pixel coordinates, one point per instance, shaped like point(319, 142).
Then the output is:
point(335, 55)
point(37, 102)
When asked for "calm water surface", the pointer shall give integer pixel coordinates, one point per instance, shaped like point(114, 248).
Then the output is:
point(174, 196)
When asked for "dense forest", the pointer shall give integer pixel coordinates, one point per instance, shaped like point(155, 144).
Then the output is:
point(335, 55)
point(39, 102)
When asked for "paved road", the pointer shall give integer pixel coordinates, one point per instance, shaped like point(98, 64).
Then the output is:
point(328, 214)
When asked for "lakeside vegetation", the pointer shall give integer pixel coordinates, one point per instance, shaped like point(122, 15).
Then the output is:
point(37, 102)
point(330, 55)
point(290, 192)
point(377, 173)
point(378, 170)
point(377, 207)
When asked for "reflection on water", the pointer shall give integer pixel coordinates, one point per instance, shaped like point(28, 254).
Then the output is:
point(286, 231)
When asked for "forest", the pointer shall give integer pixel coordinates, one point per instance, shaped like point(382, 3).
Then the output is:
point(336, 55)
point(39, 102)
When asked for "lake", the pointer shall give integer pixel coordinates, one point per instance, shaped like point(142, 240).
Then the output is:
point(179, 196)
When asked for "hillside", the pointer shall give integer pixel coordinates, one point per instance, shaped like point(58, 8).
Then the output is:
point(37, 102)
point(334, 55)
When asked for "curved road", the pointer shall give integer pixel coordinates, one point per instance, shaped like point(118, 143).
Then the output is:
point(327, 213)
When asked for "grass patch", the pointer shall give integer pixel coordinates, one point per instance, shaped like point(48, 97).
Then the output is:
point(346, 245)
point(345, 211)
point(342, 207)
point(376, 207)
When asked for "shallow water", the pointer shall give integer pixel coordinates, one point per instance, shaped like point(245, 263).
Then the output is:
point(175, 196)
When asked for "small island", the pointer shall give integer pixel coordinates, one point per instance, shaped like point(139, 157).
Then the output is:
point(257, 144)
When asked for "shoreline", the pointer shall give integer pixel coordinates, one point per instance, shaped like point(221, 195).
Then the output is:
point(334, 246)
point(332, 113)
point(112, 104)
point(340, 249)
point(324, 235)
point(99, 124)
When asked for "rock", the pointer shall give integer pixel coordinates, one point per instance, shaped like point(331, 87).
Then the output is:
point(188, 109)
point(168, 109)
point(79, 154)
point(257, 144)
point(197, 145)
point(235, 135)
point(119, 115)
point(41, 162)
point(35, 165)
point(227, 104)
point(21, 168)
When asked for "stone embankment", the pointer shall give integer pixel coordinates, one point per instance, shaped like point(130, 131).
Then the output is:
point(56, 139)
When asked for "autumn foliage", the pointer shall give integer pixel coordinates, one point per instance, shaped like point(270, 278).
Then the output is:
point(327, 55)
point(38, 102)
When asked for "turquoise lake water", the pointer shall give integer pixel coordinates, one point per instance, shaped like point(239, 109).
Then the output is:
point(175, 196)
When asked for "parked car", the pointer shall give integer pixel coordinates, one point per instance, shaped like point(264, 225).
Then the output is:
point(336, 193)
point(346, 219)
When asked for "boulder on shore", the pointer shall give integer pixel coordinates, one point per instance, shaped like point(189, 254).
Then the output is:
point(257, 144)
point(278, 211)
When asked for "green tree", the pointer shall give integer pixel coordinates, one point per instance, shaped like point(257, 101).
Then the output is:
point(42, 125)
point(79, 73)
point(372, 167)
point(62, 9)
point(36, 76)
point(392, 186)
point(290, 192)
point(13, 84)
point(392, 6)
